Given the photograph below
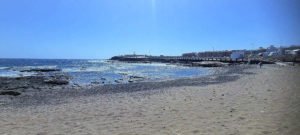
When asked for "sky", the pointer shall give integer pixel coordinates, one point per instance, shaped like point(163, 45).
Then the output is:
point(100, 29)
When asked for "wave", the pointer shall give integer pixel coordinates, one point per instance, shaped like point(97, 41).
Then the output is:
point(87, 69)
point(96, 61)
point(33, 67)
point(4, 68)
point(16, 74)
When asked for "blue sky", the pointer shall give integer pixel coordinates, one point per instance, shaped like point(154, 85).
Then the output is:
point(103, 28)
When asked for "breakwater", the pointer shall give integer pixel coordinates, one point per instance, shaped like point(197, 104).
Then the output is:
point(180, 59)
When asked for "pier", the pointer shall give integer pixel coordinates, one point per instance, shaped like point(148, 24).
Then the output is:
point(181, 59)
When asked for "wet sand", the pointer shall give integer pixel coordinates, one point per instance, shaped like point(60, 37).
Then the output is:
point(260, 101)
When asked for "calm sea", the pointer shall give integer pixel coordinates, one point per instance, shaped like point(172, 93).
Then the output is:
point(88, 71)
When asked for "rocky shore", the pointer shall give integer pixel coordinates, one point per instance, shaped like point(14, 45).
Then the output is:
point(56, 88)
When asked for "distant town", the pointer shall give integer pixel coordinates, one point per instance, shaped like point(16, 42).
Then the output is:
point(271, 52)
point(268, 54)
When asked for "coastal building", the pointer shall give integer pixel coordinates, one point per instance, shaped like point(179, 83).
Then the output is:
point(271, 48)
point(273, 54)
point(295, 52)
point(237, 55)
point(254, 53)
point(271, 51)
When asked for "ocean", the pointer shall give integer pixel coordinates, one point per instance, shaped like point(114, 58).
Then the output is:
point(102, 71)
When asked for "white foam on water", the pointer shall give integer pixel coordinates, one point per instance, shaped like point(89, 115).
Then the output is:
point(15, 74)
point(130, 73)
point(96, 61)
point(87, 69)
point(34, 67)
point(4, 68)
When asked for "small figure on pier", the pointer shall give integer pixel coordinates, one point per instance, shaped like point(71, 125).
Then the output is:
point(260, 64)
point(249, 62)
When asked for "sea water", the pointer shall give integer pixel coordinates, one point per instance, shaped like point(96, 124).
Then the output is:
point(89, 71)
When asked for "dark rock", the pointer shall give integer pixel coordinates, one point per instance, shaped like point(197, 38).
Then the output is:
point(57, 79)
point(41, 70)
point(11, 93)
point(136, 77)
point(95, 82)
point(232, 110)
point(83, 68)
point(42, 133)
point(117, 81)
point(266, 132)
point(196, 131)
point(130, 81)
point(123, 73)
point(242, 118)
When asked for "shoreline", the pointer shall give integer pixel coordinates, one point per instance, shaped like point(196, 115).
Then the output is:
point(99, 72)
point(37, 93)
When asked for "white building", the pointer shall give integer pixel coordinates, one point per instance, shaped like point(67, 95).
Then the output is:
point(271, 51)
point(237, 55)
point(295, 52)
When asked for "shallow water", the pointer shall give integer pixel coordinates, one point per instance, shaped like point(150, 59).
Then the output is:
point(101, 71)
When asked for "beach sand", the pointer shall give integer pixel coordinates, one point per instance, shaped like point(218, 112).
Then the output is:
point(262, 101)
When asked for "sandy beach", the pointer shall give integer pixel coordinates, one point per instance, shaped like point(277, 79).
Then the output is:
point(260, 101)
